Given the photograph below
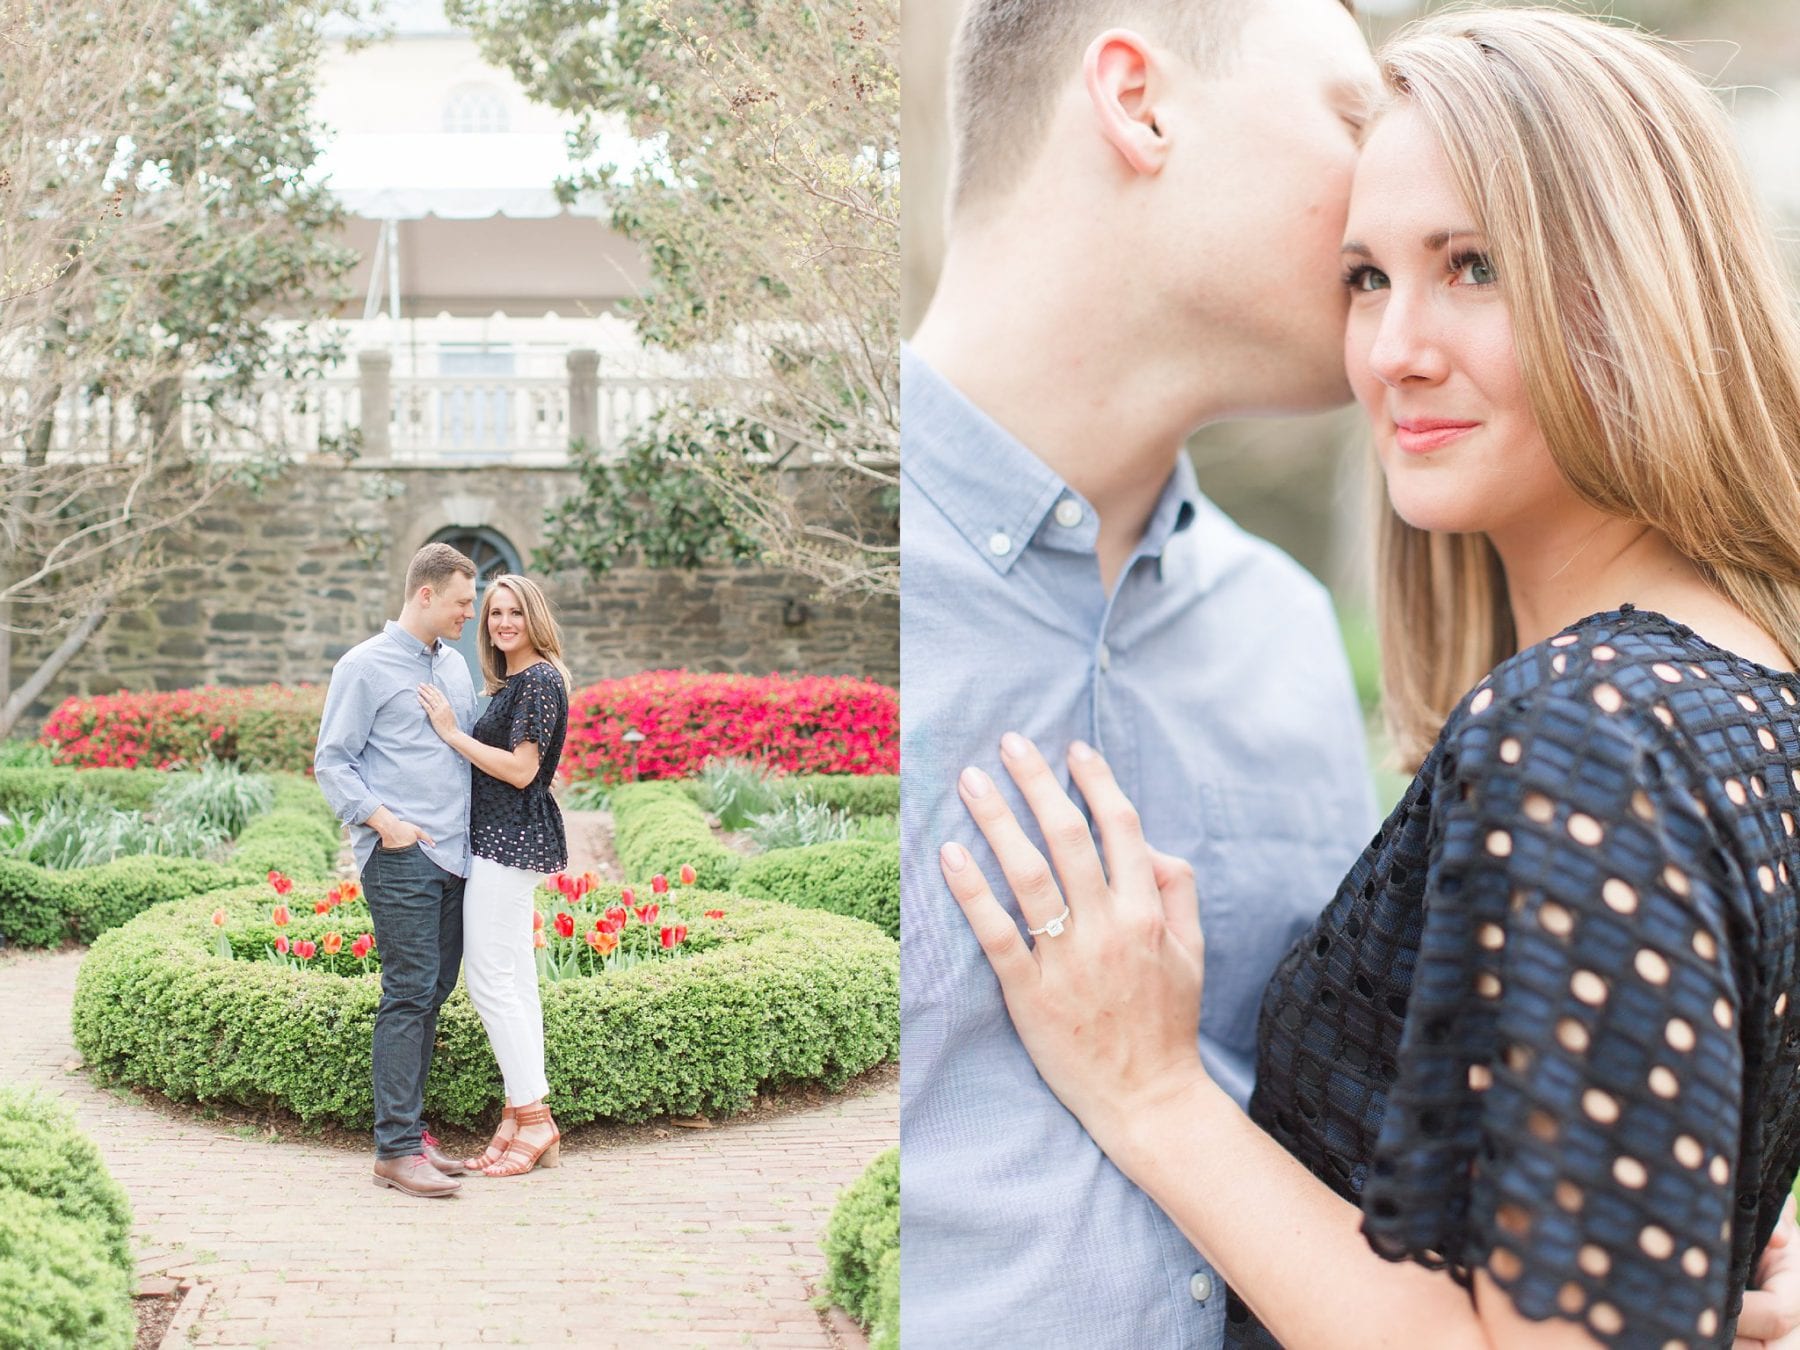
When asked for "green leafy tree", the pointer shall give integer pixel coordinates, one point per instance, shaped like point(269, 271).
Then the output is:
point(766, 200)
point(654, 498)
point(158, 207)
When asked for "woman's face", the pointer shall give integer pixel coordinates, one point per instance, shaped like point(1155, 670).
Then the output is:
point(506, 621)
point(1429, 348)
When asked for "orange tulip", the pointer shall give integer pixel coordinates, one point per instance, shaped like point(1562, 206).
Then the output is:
point(334, 943)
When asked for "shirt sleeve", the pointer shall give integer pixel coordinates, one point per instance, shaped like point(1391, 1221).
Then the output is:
point(1567, 1108)
point(343, 731)
point(537, 713)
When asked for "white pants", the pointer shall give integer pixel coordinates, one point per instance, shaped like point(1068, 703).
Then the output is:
point(502, 975)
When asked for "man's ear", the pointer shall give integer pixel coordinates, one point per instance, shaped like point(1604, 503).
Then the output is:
point(1124, 83)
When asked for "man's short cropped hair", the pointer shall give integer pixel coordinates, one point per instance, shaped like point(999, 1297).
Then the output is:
point(1012, 57)
point(435, 564)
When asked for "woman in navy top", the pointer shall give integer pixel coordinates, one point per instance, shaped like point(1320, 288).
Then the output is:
point(1530, 1079)
point(516, 837)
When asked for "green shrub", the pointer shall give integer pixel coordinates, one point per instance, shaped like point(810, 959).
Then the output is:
point(28, 789)
point(657, 827)
point(884, 829)
point(856, 877)
point(735, 790)
point(41, 908)
point(219, 796)
point(785, 996)
point(872, 794)
point(862, 1250)
point(24, 755)
point(65, 1235)
point(291, 840)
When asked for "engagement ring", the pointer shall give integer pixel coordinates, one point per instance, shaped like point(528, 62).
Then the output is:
point(1053, 928)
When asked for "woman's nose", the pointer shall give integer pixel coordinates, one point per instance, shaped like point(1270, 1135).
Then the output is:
point(1408, 346)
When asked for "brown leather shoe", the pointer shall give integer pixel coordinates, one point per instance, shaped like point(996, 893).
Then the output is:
point(414, 1176)
point(439, 1159)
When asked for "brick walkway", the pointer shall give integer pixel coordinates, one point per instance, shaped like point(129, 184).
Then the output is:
point(706, 1238)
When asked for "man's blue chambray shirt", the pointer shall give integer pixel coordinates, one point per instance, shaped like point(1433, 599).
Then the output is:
point(376, 746)
point(1214, 682)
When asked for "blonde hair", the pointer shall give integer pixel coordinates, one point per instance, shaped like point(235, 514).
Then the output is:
point(540, 631)
point(1653, 329)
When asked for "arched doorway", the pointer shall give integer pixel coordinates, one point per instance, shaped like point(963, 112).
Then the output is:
point(493, 556)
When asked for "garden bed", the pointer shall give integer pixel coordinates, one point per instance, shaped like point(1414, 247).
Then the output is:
point(764, 994)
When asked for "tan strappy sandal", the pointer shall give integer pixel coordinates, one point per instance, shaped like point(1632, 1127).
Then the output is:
point(521, 1157)
point(496, 1149)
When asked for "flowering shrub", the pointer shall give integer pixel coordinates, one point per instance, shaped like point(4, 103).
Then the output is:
point(764, 993)
point(261, 727)
point(797, 724)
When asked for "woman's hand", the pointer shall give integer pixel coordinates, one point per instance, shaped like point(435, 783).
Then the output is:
point(1109, 1007)
point(437, 708)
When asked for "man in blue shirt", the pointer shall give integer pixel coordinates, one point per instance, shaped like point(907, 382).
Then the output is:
point(404, 793)
point(1144, 237)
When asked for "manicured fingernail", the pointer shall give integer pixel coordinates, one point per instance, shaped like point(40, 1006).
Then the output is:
point(955, 856)
point(1013, 745)
point(1081, 750)
point(975, 782)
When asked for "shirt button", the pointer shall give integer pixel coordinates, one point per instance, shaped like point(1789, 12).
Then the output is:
point(999, 545)
point(1200, 1286)
point(1105, 658)
point(1068, 512)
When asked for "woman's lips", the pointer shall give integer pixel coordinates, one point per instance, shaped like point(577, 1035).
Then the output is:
point(1422, 435)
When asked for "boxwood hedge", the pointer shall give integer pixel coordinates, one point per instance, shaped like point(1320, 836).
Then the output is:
point(857, 877)
point(871, 794)
point(862, 1251)
point(657, 827)
point(42, 908)
point(65, 1235)
point(780, 995)
point(34, 789)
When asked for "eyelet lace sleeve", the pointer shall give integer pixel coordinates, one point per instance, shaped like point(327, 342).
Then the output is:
point(1567, 1110)
point(539, 711)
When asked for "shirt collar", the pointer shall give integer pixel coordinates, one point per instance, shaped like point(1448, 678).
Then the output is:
point(994, 490)
point(412, 644)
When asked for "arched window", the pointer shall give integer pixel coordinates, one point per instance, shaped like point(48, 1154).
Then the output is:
point(476, 108)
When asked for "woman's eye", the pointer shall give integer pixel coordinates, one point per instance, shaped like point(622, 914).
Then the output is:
point(1474, 269)
point(1365, 278)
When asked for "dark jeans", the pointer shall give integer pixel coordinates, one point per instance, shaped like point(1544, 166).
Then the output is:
point(417, 911)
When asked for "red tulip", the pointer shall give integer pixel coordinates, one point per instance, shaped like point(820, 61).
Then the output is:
point(565, 925)
point(306, 950)
point(715, 913)
point(360, 948)
point(334, 943)
point(688, 875)
point(559, 883)
point(617, 914)
point(659, 884)
point(281, 884)
point(322, 907)
point(672, 936)
point(281, 945)
point(280, 916)
point(647, 913)
point(218, 918)
point(627, 895)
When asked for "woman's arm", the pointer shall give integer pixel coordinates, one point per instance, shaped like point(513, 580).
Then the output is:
point(516, 767)
point(1108, 1010)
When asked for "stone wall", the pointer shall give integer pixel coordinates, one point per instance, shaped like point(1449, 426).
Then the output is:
point(278, 588)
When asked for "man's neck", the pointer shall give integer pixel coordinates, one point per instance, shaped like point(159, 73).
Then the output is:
point(1077, 381)
point(413, 623)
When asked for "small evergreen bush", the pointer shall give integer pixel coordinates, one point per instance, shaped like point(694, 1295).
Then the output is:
point(854, 877)
point(65, 1235)
point(862, 1251)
